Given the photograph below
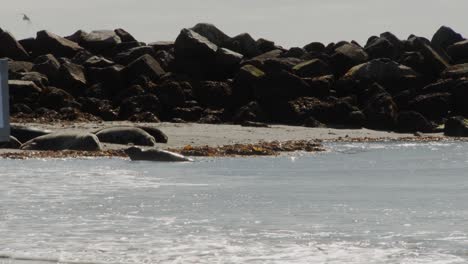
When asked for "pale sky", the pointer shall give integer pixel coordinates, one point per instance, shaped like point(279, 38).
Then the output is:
point(287, 22)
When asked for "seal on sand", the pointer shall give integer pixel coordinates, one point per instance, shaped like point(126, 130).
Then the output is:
point(64, 141)
point(154, 154)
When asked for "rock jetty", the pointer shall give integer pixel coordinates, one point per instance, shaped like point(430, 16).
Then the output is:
point(206, 76)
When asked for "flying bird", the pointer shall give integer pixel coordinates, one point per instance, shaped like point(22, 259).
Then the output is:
point(26, 18)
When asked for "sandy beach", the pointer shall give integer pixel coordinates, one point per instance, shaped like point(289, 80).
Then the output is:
point(194, 134)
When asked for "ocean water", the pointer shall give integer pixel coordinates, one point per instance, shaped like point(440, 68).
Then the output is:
point(358, 203)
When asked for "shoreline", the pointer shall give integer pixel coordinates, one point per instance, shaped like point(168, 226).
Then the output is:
point(194, 139)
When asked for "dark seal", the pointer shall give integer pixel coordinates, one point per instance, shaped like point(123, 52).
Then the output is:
point(154, 154)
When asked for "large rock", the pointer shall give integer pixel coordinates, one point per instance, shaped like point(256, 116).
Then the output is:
point(312, 68)
point(459, 51)
point(251, 112)
point(383, 71)
point(443, 38)
point(132, 54)
point(244, 44)
point(411, 121)
point(195, 54)
point(135, 153)
point(39, 79)
point(100, 40)
point(346, 56)
point(456, 71)
point(19, 66)
point(279, 86)
point(124, 35)
point(126, 135)
point(381, 48)
point(380, 109)
point(139, 104)
point(433, 106)
point(11, 48)
point(23, 91)
point(73, 78)
point(49, 66)
point(64, 141)
point(55, 98)
point(456, 126)
point(143, 66)
point(213, 94)
point(460, 98)
point(434, 63)
point(47, 42)
point(171, 94)
point(247, 78)
point(212, 33)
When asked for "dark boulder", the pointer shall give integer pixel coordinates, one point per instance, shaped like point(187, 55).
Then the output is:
point(166, 60)
point(456, 126)
point(265, 45)
point(247, 78)
point(347, 56)
point(143, 66)
point(394, 76)
point(24, 134)
point(19, 66)
point(49, 43)
point(139, 104)
point(49, 66)
point(459, 52)
point(460, 98)
point(171, 94)
point(146, 117)
point(443, 38)
point(279, 87)
point(127, 56)
point(316, 47)
point(125, 135)
point(23, 91)
point(434, 63)
point(312, 68)
point(55, 99)
point(110, 77)
point(124, 35)
point(213, 94)
point(99, 41)
point(189, 114)
point(162, 45)
point(97, 62)
point(73, 78)
point(319, 87)
point(212, 33)
point(64, 141)
point(194, 53)
point(380, 109)
point(11, 48)
point(433, 106)
point(381, 48)
point(39, 79)
point(251, 112)
point(456, 71)
point(411, 121)
point(244, 44)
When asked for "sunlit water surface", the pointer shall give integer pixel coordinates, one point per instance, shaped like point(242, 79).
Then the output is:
point(358, 203)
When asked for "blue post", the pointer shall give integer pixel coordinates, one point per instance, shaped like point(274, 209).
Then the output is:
point(4, 102)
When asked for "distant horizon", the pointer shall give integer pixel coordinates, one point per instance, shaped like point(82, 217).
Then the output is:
point(292, 23)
